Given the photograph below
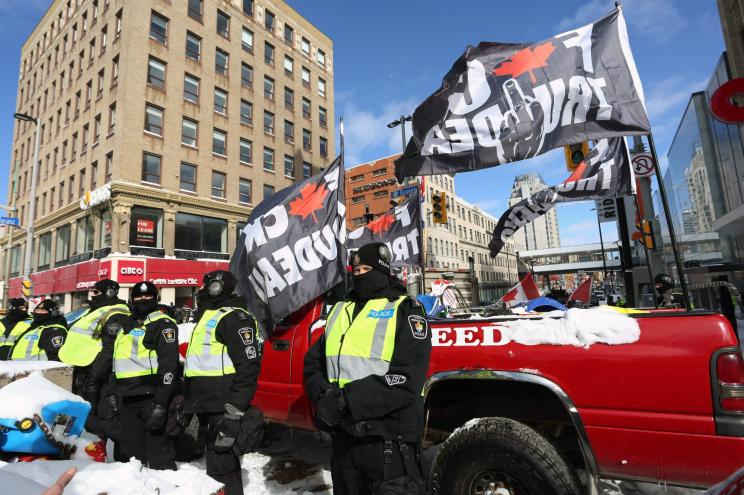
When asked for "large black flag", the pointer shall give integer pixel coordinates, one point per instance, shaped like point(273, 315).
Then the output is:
point(606, 173)
point(291, 249)
point(400, 229)
point(506, 102)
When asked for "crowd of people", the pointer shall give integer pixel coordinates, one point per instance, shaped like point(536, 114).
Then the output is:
point(364, 375)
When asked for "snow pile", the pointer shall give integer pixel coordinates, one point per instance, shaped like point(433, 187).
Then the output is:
point(117, 478)
point(14, 368)
point(25, 397)
point(577, 327)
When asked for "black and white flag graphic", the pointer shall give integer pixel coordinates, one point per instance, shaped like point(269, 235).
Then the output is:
point(504, 102)
point(291, 249)
point(606, 173)
point(400, 229)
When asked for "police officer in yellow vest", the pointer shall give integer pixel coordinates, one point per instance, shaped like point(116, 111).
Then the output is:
point(143, 354)
point(44, 338)
point(92, 377)
point(15, 323)
point(223, 361)
point(366, 375)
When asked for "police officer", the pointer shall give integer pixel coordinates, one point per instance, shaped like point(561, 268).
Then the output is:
point(366, 375)
point(46, 335)
point(15, 323)
point(223, 361)
point(143, 353)
point(664, 285)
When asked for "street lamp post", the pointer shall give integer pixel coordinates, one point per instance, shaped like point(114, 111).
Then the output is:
point(601, 243)
point(32, 196)
point(402, 123)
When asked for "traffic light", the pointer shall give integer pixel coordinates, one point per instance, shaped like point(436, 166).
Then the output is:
point(575, 154)
point(439, 205)
point(648, 234)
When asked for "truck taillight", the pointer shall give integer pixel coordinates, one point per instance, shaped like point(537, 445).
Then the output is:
point(730, 376)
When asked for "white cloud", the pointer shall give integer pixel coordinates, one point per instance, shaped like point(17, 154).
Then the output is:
point(667, 94)
point(581, 227)
point(658, 19)
point(493, 206)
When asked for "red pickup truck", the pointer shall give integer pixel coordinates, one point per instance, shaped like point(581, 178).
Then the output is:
point(553, 419)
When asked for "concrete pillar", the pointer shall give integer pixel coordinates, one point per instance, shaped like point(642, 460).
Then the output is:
point(120, 228)
point(35, 255)
point(232, 235)
point(73, 238)
point(168, 295)
point(169, 232)
point(124, 293)
point(53, 254)
point(96, 231)
point(66, 302)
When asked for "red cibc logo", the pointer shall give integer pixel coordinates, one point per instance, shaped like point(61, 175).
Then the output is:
point(131, 271)
point(722, 104)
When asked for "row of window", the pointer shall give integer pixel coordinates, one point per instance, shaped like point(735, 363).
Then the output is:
point(375, 173)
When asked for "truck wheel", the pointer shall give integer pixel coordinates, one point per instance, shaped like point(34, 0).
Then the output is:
point(499, 456)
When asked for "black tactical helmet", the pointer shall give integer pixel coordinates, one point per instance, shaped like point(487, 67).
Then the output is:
point(375, 254)
point(663, 282)
point(144, 288)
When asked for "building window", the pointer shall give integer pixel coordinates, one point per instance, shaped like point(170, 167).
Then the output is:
point(323, 145)
point(93, 175)
point(246, 151)
point(357, 178)
point(245, 190)
point(187, 177)
point(288, 98)
point(195, 9)
point(246, 75)
point(321, 88)
point(189, 132)
point(156, 73)
point(322, 117)
point(289, 166)
point(96, 131)
point(305, 45)
point(198, 233)
point(219, 142)
point(288, 131)
point(84, 235)
point(380, 194)
point(104, 37)
point(220, 101)
point(109, 166)
point(146, 227)
point(268, 191)
point(247, 40)
point(193, 46)
point(268, 159)
point(223, 24)
point(154, 120)
point(246, 112)
point(269, 53)
point(45, 250)
point(357, 199)
point(248, 7)
point(307, 139)
point(218, 184)
point(269, 21)
point(191, 89)
point(307, 170)
point(158, 28)
point(378, 172)
point(221, 60)
point(306, 78)
point(112, 118)
point(306, 108)
point(268, 88)
point(288, 34)
point(321, 58)
point(63, 243)
point(151, 168)
point(268, 122)
point(288, 65)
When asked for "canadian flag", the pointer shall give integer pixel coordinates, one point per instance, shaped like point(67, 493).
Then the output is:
point(522, 292)
point(583, 292)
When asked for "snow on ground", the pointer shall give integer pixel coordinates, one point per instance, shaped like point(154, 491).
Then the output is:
point(12, 368)
point(25, 397)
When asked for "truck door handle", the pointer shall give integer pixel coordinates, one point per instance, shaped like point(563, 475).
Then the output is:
point(280, 345)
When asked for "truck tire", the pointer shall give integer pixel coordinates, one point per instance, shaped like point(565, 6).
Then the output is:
point(503, 452)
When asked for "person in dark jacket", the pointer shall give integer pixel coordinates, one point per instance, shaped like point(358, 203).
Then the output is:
point(365, 377)
point(142, 351)
point(44, 338)
point(223, 361)
point(15, 323)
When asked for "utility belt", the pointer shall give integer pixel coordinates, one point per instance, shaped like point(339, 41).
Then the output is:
point(412, 482)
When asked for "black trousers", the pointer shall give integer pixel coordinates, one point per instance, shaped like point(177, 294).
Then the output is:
point(153, 448)
point(223, 467)
point(357, 464)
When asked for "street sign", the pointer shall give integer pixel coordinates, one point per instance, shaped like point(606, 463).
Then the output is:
point(606, 210)
point(15, 222)
point(643, 164)
point(406, 191)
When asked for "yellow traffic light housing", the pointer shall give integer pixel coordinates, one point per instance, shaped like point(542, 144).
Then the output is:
point(648, 234)
point(439, 207)
point(575, 155)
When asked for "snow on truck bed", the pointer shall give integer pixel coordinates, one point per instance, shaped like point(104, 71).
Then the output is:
point(25, 397)
point(10, 369)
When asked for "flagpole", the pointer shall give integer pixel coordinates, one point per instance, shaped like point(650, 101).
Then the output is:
point(645, 250)
point(670, 223)
point(345, 251)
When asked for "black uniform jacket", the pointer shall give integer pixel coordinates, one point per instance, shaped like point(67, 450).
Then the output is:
point(237, 332)
point(389, 406)
point(51, 338)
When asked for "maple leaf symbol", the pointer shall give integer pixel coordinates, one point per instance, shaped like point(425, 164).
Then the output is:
point(526, 60)
point(309, 201)
point(381, 224)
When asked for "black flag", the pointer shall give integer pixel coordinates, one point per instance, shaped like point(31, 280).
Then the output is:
point(503, 102)
point(400, 229)
point(291, 249)
point(606, 173)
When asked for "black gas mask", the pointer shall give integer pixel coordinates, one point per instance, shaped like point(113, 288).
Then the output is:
point(218, 284)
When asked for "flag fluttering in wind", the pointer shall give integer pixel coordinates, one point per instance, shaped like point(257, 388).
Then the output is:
point(583, 292)
point(524, 291)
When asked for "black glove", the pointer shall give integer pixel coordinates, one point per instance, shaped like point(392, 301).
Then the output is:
point(155, 417)
point(91, 392)
point(331, 407)
point(228, 429)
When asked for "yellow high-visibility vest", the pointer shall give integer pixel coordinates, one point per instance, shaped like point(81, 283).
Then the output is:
point(131, 357)
point(83, 341)
point(206, 356)
point(27, 348)
point(362, 347)
point(17, 330)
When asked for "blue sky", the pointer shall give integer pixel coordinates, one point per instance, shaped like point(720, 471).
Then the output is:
point(390, 55)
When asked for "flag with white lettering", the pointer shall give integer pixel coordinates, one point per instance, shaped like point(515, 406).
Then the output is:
point(399, 228)
point(291, 249)
point(605, 173)
point(504, 102)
